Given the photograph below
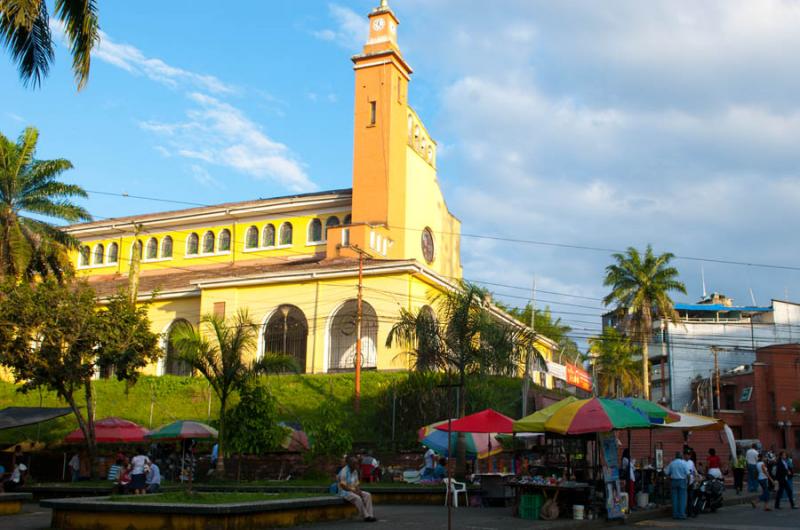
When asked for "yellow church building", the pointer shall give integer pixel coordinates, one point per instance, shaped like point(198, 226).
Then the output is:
point(293, 261)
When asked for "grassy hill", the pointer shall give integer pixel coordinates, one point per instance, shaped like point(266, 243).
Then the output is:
point(154, 401)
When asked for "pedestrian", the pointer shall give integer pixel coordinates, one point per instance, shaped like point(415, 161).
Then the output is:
point(784, 475)
point(350, 490)
point(765, 481)
point(430, 464)
point(114, 471)
point(628, 473)
point(678, 472)
point(18, 457)
point(17, 479)
point(691, 478)
point(739, 467)
point(74, 466)
point(714, 464)
point(153, 480)
point(139, 467)
point(752, 472)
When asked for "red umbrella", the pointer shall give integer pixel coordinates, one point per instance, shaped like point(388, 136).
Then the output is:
point(111, 430)
point(486, 421)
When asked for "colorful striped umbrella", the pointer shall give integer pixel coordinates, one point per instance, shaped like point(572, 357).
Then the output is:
point(296, 438)
point(695, 422)
point(535, 421)
point(655, 413)
point(593, 415)
point(478, 445)
point(183, 430)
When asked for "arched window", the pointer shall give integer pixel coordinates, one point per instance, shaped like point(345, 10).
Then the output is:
point(286, 332)
point(416, 136)
point(251, 237)
point(331, 222)
point(208, 242)
point(315, 231)
point(113, 252)
point(136, 249)
point(83, 256)
point(192, 244)
point(342, 340)
point(172, 364)
point(286, 234)
point(99, 254)
point(152, 248)
point(224, 244)
point(268, 236)
point(166, 247)
point(348, 219)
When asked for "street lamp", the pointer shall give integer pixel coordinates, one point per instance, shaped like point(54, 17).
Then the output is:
point(784, 426)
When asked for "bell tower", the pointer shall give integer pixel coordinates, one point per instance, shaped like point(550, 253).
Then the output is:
point(379, 128)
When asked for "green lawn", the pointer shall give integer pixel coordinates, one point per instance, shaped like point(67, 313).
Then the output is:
point(183, 497)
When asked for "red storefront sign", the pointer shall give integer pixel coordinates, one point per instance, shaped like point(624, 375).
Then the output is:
point(578, 377)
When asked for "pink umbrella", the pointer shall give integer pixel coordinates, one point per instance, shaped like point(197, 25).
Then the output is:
point(111, 430)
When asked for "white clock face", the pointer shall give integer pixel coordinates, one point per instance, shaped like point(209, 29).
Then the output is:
point(378, 24)
point(392, 27)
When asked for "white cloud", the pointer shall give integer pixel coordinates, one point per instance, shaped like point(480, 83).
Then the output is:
point(204, 178)
point(218, 133)
point(350, 31)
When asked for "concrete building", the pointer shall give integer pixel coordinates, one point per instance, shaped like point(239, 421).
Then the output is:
point(684, 350)
point(760, 400)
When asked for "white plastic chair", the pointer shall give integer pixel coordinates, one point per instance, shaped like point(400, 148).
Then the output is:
point(454, 487)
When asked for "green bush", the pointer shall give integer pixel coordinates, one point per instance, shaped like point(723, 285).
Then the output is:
point(253, 423)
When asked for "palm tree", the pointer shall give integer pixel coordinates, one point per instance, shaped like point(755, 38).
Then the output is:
point(640, 287)
point(217, 352)
point(463, 336)
point(616, 368)
point(29, 246)
point(25, 32)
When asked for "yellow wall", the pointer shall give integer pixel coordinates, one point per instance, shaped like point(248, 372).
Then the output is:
point(238, 253)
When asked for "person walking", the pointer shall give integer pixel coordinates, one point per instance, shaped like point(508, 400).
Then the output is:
point(784, 475)
point(140, 465)
point(739, 467)
point(74, 466)
point(350, 490)
point(678, 472)
point(764, 480)
point(752, 472)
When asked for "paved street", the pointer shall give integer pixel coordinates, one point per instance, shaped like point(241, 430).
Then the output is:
point(742, 517)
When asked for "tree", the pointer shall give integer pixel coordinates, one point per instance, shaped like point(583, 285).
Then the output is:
point(253, 421)
point(640, 287)
point(58, 336)
point(464, 337)
point(217, 349)
point(552, 328)
point(29, 246)
point(616, 368)
point(25, 32)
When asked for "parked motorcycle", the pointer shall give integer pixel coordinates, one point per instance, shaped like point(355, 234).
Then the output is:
point(708, 495)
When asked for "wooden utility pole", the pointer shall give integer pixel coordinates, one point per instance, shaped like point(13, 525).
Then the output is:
point(715, 402)
point(663, 363)
point(526, 376)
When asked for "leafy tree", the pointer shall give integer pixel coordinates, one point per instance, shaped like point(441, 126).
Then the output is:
point(640, 286)
point(29, 246)
point(217, 350)
point(616, 366)
point(253, 426)
point(328, 431)
point(550, 327)
point(55, 337)
point(466, 339)
point(25, 32)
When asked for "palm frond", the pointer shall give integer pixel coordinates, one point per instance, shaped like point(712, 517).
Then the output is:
point(275, 363)
point(25, 31)
point(82, 29)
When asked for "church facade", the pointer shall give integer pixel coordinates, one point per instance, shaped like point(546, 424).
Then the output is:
point(294, 262)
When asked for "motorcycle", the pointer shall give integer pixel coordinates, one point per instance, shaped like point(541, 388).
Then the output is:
point(708, 495)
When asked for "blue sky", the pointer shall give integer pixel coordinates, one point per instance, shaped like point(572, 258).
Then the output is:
point(603, 124)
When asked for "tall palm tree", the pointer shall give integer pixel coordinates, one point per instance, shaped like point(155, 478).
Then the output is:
point(29, 246)
point(25, 32)
point(217, 350)
point(616, 368)
point(640, 286)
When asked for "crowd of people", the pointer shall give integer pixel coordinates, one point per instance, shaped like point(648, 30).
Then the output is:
point(765, 470)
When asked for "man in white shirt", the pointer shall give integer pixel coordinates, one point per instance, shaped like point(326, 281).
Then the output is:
point(351, 491)
point(430, 464)
point(751, 456)
point(692, 472)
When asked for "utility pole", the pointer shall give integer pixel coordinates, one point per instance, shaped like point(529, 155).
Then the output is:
point(359, 304)
point(663, 362)
point(715, 401)
point(526, 376)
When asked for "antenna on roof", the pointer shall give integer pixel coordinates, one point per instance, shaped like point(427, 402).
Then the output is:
point(703, 277)
point(752, 296)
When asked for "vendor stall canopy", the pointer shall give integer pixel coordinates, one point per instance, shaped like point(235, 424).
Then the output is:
point(13, 417)
point(485, 421)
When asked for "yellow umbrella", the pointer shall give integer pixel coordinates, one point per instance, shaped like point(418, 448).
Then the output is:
point(27, 446)
point(535, 422)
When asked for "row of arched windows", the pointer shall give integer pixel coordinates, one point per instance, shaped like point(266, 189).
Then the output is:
point(210, 243)
point(285, 332)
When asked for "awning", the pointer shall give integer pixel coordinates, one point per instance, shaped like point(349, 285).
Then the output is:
point(13, 417)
